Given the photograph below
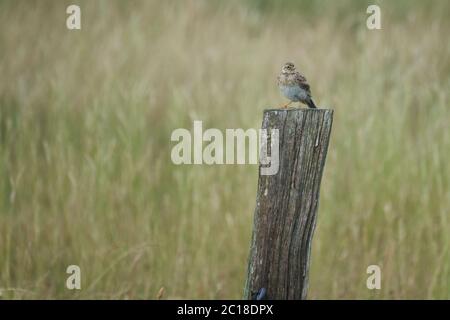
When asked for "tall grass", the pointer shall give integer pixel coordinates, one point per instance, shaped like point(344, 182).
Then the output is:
point(85, 123)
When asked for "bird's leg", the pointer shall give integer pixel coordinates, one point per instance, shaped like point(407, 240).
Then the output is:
point(287, 104)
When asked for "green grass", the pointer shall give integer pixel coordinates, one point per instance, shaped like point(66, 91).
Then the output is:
point(85, 124)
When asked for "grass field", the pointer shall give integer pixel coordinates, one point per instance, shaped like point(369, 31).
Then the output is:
point(85, 124)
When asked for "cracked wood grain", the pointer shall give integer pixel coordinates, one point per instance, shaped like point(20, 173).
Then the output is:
point(286, 204)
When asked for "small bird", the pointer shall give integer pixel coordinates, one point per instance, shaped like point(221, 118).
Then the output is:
point(294, 86)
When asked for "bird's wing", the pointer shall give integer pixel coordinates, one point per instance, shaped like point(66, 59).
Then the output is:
point(301, 80)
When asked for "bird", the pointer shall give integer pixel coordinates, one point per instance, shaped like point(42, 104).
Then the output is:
point(293, 85)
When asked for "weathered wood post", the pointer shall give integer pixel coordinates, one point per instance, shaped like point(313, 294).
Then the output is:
point(286, 205)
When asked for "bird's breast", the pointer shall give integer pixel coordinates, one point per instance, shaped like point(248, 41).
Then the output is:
point(293, 93)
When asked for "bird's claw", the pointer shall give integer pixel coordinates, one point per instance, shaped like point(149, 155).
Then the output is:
point(286, 105)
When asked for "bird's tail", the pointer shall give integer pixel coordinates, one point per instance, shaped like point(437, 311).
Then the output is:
point(311, 104)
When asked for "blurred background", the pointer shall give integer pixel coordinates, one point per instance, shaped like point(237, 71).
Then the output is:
point(86, 117)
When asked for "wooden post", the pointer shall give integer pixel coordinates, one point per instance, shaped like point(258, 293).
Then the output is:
point(286, 205)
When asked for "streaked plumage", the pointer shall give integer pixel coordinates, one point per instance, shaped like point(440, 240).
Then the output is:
point(294, 86)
